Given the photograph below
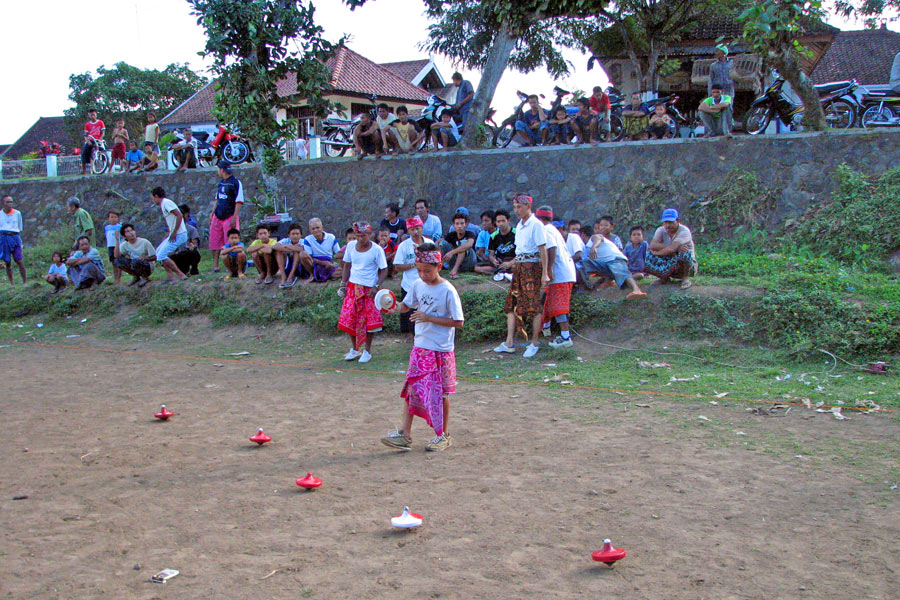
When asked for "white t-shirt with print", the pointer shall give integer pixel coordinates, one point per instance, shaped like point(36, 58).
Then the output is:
point(364, 266)
point(563, 267)
point(168, 207)
point(441, 300)
point(530, 236)
point(406, 255)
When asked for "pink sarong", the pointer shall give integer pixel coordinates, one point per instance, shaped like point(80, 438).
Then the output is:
point(359, 315)
point(431, 376)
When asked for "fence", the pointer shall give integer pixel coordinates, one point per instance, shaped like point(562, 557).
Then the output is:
point(52, 166)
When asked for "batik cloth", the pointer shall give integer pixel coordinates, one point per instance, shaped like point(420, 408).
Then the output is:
point(359, 315)
point(675, 266)
point(430, 377)
point(524, 296)
point(557, 300)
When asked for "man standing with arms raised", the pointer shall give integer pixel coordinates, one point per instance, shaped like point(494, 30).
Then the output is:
point(10, 238)
point(530, 275)
point(226, 214)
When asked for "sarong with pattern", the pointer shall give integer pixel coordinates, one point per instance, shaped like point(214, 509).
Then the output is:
point(557, 301)
point(431, 376)
point(675, 266)
point(359, 315)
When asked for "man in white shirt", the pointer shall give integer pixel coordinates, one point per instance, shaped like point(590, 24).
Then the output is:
point(431, 223)
point(11, 225)
point(186, 152)
point(531, 274)
point(177, 235)
point(559, 292)
point(320, 249)
point(606, 259)
point(405, 263)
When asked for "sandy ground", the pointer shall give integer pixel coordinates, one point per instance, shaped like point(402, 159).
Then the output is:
point(513, 510)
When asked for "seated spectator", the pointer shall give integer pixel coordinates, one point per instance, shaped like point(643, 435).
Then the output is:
point(584, 124)
point(323, 251)
point(403, 136)
point(457, 247)
point(134, 255)
point(532, 127)
point(502, 247)
point(636, 118)
point(349, 236)
point(262, 252)
point(606, 259)
point(393, 222)
point(483, 242)
point(235, 256)
point(188, 217)
point(85, 267)
point(716, 113)
point(635, 251)
point(446, 133)
point(671, 253)
point(560, 127)
point(384, 240)
point(133, 158)
point(367, 138)
point(186, 152)
point(585, 232)
point(574, 243)
point(471, 227)
point(604, 225)
point(187, 257)
point(660, 123)
point(56, 276)
point(432, 228)
point(150, 160)
point(384, 118)
point(290, 254)
point(601, 106)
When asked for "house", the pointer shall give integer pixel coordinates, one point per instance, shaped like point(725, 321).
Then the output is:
point(865, 55)
point(4, 148)
point(425, 74)
point(48, 129)
point(354, 79)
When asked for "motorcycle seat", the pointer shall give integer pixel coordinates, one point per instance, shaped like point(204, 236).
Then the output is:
point(826, 88)
point(336, 121)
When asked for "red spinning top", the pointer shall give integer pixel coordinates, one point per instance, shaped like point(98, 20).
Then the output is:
point(260, 438)
point(608, 554)
point(309, 482)
point(164, 413)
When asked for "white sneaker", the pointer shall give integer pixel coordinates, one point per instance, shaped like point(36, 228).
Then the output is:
point(508, 276)
point(559, 342)
point(530, 351)
point(504, 348)
point(352, 355)
point(365, 357)
point(498, 277)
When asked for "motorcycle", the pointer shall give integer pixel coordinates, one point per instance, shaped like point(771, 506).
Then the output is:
point(337, 133)
point(224, 146)
point(840, 101)
point(882, 109)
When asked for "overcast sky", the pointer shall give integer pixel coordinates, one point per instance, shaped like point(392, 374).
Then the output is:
point(46, 41)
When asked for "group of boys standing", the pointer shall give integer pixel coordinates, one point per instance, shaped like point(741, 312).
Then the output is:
point(125, 152)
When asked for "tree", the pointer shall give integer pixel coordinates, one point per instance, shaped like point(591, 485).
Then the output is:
point(248, 42)
point(492, 34)
point(870, 11)
point(129, 93)
point(772, 28)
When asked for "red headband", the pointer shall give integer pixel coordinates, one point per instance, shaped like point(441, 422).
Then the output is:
point(523, 199)
point(432, 257)
point(548, 214)
point(362, 227)
point(414, 222)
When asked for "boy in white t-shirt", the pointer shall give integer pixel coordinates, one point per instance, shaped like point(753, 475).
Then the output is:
point(176, 236)
point(431, 376)
point(559, 291)
point(112, 227)
point(405, 263)
point(365, 267)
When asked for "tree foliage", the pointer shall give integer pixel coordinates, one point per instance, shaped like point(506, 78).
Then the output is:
point(870, 11)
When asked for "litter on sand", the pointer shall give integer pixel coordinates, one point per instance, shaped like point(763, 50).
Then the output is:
point(674, 379)
point(245, 353)
point(703, 418)
point(646, 364)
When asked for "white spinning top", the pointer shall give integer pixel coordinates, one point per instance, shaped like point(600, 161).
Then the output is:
point(407, 520)
point(385, 300)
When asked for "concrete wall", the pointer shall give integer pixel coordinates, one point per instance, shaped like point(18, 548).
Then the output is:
point(579, 182)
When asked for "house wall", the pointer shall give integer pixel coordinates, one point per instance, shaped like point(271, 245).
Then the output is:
point(582, 182)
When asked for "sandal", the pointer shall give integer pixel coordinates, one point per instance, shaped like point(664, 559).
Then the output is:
point(258, 280)
point(686, 284)
point(269, 281)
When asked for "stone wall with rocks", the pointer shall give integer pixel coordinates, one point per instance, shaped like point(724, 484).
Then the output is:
point(584, 182)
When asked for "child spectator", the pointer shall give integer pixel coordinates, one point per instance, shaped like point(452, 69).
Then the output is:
point(321, 252)
point(57, 275)
point(151, 133)
point(384, 118)
point(390, 249)
point(262, 252)
point(558, 293)
point(431, 376)
point(502, 247)
point(635, 251)
point(483, 243)
point(574, 243)
point(660, 122)
point(604, 226)
point(111, 231)
point(367, 138)
point(188, 217)
point(584, 125)
point(606, 259)
point(585, 232)
point(601, 105)
point(150, 161)
point(445, 133)
point(393, 222)
point(349, 236)
point(235, 258)
point(560, 126)
point(119, 139)
point(405, 263)
point(458, 246)
point(94, 130)
point(187, 259)
point(403, 135)
point(289, 253)
point(135, 255)
point(133, 158)
point(365, 268)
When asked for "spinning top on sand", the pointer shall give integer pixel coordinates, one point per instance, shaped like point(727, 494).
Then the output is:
point(260, 438)
point(608, 554)
point(407, 520)
point(164, 413)
point(309, 482)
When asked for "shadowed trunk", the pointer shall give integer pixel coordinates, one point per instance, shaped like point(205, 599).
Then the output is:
point(494, 67)
point(787, 64)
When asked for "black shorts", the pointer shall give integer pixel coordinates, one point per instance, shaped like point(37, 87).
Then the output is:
point(112, 253)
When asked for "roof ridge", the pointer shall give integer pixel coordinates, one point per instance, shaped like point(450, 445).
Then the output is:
point(386, 71)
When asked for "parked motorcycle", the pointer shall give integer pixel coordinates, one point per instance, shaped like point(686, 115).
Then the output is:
point(225, 145)
point(840, 101)
point(882, 109)
point(338, 133)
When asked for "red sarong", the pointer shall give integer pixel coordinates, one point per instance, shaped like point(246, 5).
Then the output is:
point(557, 301)
point(359, 315)
point(431, 376)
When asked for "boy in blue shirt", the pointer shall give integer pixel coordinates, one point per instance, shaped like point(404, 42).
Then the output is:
point(234, 255)
point(133, 158)
point(111, 230)
point(635, 251)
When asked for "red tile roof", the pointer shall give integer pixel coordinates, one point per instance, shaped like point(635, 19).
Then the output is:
point(49, 129)
point(196, 109)
point(723, 24)
point(407, 69)
point(864, 55)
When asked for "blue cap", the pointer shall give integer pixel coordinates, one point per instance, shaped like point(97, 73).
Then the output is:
point(463, 210)
point(670, 214)
point(559, 224)
point(225, 166)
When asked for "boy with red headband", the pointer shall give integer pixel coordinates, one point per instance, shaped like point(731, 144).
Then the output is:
point(431, 376)
point(405, 263)
point(530, 275)
point(365, 267)
point(559, 292)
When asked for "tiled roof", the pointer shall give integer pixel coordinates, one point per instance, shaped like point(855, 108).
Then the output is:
point(196, 109)
point(406, 70)
point(864, 55)
point(49, 129)
point(4, 148)
point(724, 24)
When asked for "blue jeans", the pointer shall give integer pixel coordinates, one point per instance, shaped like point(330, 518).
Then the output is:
point(533, 134)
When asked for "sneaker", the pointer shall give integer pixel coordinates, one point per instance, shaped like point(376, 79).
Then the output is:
point(559, 342)
point(365, 356)
point(397, 440)
point(530, 351)
point(439, 442)
point(507, 276)
point(504, 348)
point(352, 355)
point(499, 277)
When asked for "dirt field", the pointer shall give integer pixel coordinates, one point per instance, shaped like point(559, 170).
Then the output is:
point(514, 509)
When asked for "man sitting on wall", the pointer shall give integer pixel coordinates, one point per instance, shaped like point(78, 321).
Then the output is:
point(716, 113)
